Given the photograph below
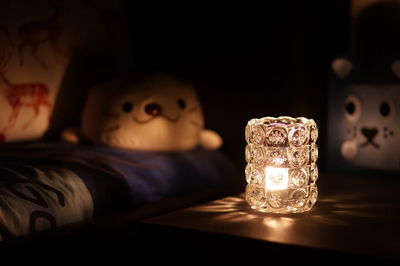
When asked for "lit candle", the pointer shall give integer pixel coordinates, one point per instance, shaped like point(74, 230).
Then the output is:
point(276, 178)
point(281, 172)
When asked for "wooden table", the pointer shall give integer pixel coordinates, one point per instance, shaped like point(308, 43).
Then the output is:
point(355, 219)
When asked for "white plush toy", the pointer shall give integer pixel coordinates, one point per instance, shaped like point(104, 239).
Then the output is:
point(153, 113)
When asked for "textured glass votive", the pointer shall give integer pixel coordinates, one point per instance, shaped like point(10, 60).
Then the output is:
point(281, 171)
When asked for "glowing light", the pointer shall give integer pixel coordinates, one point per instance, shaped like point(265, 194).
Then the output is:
point(276, 178)
point(281, 173)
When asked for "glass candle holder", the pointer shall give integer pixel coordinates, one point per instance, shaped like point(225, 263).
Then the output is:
point(281, 171)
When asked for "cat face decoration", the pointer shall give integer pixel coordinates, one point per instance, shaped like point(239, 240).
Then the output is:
point(364, 119)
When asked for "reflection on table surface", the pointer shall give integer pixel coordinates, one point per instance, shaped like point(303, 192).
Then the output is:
point(356, 214)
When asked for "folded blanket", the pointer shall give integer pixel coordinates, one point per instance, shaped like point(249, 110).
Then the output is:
point(45, 185)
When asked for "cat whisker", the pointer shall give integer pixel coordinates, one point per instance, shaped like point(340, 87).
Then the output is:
point(111, 114)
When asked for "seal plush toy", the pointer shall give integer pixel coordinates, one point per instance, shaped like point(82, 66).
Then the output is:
point(155, 113)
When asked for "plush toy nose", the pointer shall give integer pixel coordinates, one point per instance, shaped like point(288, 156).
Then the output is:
point(153, 109)
point(369, 133)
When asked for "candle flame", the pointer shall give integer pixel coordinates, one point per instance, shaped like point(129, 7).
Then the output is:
point(276, 178)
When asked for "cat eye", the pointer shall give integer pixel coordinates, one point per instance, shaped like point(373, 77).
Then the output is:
point(352, 108)
point(181, 103)
point(127, 107)
point(387, 109)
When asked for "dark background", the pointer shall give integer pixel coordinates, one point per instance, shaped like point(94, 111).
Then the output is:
point(248, 59)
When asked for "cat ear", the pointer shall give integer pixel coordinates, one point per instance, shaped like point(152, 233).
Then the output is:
point(342, 67)
point(396, 68)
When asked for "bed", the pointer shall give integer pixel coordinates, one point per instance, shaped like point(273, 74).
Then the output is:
point(47, 185)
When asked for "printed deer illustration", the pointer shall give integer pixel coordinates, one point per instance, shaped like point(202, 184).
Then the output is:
point(34, 33)
point(19, 95)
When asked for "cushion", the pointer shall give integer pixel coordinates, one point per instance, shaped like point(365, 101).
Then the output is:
point(45, 185)
point(46, 61)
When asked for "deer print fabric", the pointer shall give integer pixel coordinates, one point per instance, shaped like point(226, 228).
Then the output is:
point(37, 41)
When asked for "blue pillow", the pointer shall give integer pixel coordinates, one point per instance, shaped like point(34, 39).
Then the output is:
point(47, 184)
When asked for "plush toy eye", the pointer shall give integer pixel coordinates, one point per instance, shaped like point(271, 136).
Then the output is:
point(352, 108)
point(181, 103)
point(127, 107)
point(384, 108)
point(387, 109)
